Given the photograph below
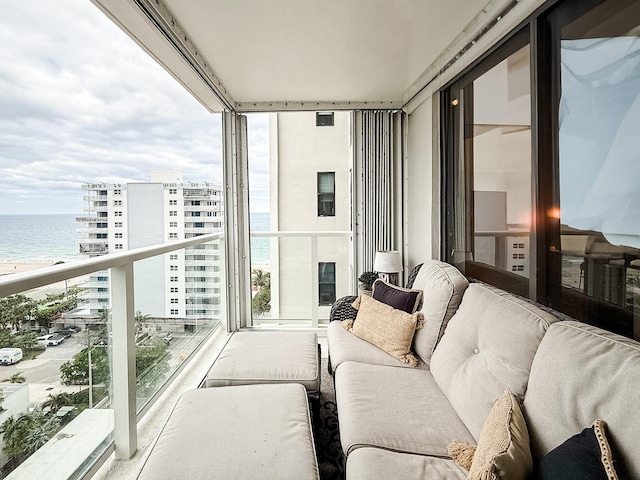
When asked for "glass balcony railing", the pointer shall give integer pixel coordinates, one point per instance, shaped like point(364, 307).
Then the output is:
point(304, 273)
point(86, 392)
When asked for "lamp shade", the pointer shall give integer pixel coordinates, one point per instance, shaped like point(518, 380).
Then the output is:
point(387, 261)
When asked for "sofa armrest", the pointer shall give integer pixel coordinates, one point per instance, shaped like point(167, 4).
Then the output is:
point(342, 309)
point(413, 274)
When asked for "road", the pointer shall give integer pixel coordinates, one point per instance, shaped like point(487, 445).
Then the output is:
point(43, 373)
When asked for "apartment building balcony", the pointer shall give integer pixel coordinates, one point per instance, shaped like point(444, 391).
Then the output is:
point(93, 248)
point(96, 198)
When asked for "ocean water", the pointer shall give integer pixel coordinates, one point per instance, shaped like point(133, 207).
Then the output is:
point(38, 238)
point(52, 238)
point(260, 255)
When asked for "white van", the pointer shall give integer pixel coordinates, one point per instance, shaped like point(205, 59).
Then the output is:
point(9, 356)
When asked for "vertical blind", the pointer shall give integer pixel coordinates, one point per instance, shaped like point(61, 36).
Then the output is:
point(379, 152)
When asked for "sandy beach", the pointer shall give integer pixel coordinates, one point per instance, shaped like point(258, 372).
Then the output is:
point(7, 268)
point(17, 267)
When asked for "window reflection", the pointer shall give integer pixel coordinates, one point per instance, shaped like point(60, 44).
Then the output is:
point(502, 165)
point(599, 154)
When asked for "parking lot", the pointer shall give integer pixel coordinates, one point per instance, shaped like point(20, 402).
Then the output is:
point(43, 373)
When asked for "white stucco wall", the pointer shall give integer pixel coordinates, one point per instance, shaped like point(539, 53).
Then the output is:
point(422, 181)
point(303, 150)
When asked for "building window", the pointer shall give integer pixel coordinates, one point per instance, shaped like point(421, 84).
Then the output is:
point(173, 202)
point(174, 290)
point(173, 256)
point(117, 203)
point(173, 268)
point(117, 192)
point(173, 224)
point(326, 194)
point(119, 246)
point(174, 311)
point(118, 235)
point(173, 213)
point(118, 224)
point(101, 235)
point(324, 119)
point(173, 191)
point(327, 283)
point(174, 300)
point(173, 235)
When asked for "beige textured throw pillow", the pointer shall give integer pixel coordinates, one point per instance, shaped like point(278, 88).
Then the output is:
point(503, 451)
point(386, 327)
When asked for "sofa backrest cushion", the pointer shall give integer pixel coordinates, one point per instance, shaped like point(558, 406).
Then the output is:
point(488, 346)
point(442, 285)
point(582, 373)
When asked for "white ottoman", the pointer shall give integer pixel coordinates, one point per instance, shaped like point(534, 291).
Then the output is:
point(268, 357)
point(241, 432)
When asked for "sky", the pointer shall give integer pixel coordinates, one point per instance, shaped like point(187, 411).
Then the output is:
point(80, 102)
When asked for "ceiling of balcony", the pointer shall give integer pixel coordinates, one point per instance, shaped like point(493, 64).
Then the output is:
point(280, 51)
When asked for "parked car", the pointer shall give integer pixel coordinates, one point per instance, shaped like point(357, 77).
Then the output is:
point(9, 356)
point(66, 333)
point(51, 339)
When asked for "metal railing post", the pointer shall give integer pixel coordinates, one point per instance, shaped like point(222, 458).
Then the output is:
point(124, 361)
point(315, 282)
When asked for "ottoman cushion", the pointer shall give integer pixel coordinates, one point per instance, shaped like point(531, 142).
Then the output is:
point(268, 357)
point(250, 431)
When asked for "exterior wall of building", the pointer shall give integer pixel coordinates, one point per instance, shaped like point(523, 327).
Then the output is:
point(303, 150)
point(175, 289)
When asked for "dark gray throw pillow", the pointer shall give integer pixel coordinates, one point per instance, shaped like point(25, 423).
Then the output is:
point(405, 299)
point(586, 455)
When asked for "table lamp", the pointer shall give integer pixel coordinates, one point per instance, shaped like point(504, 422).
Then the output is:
point(388, 264)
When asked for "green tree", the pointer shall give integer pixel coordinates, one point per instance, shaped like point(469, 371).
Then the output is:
point(152, 365)
point(6, 338)
point(261, 301)
point(76, 370)
point(16, 309)
point(25, 341)
point(26, 433)
point(55, 304)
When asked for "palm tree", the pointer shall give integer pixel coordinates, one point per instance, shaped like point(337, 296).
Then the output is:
point(140, 320)
point(55, 401)
point(15, 378)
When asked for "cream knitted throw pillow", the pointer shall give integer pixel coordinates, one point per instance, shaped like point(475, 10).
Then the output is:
point(385, 327)
point(503, 451)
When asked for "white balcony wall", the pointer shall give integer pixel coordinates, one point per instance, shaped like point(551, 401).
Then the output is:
point(422, 180)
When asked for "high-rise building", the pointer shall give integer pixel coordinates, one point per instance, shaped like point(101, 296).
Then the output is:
point(181, 286)
point(311, 157)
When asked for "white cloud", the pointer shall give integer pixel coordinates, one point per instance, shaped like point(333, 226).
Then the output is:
point(81, 102)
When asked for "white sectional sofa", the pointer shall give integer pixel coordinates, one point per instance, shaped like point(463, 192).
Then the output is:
point(396, 421)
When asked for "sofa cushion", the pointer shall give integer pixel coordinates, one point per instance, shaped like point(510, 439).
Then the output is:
point(442, 285)
point(587, 454)
point(503, 451)
point(488, 346)
point(386, 327)
point(344, 346)
point(400, 409)
point(368, 463)
point(405, 299)
point(589, 373)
